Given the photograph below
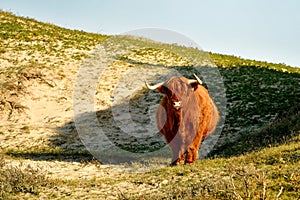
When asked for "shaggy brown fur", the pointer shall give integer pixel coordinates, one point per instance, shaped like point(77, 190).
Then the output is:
point(186, 126)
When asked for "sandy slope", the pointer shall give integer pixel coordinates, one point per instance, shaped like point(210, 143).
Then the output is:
point(47, 123)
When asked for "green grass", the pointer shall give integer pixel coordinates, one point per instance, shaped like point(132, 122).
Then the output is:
point(227, 61)
point(256, 95)
point(282, 130)
point(257, 175)
point(29, 30)
point(275, 167)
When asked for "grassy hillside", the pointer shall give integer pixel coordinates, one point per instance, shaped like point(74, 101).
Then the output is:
point(42, 157)
point(30, 50)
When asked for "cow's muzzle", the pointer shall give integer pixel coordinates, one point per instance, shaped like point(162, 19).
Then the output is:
point(177, 105)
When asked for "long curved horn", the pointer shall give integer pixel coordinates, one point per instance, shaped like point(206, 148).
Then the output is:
point(153, 87)
point(191, 81)
point(198, 79)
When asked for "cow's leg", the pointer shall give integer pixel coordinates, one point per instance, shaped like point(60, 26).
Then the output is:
point(192, 151)
point(191, 155)
point(178, 150)
point(176, 160)
point(178, 154)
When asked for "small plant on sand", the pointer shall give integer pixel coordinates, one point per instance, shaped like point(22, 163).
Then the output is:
point(20, 179)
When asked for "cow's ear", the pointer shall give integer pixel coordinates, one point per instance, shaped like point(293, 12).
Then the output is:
point(162, 89)
point(195, 85)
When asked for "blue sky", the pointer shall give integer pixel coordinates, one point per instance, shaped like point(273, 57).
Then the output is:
point(266, 30)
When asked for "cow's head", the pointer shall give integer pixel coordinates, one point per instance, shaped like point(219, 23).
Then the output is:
point(177, 89)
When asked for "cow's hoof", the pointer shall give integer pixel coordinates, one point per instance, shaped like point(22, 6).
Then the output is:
point(175, 163)
point(189, 163)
